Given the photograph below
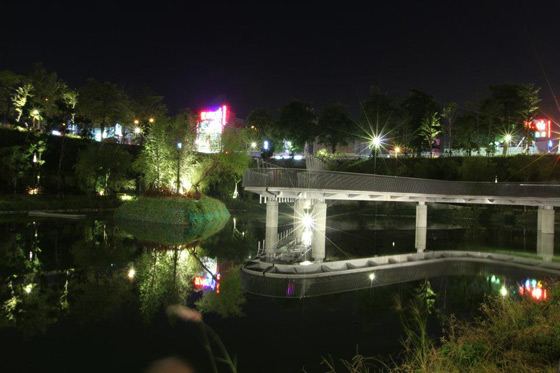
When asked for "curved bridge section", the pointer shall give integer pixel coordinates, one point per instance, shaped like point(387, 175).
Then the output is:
point(324, 185)
point(298, 281)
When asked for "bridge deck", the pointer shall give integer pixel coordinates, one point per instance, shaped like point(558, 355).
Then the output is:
point(324, 185)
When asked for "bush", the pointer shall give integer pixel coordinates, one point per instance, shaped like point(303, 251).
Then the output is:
point(174, 210)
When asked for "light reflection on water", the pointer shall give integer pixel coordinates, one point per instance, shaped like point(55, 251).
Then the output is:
point(61, 279)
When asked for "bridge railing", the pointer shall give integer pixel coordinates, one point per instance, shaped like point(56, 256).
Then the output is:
point(345, 181)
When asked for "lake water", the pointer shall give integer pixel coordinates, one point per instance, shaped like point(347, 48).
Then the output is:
point(91, 295)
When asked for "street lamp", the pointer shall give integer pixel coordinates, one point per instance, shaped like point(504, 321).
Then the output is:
point(137, 130)
point(136, 121)
point(507, 139)
point(151, 120)
point(375, 142)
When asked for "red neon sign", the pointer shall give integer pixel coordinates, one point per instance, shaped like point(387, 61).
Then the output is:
point(541, 127)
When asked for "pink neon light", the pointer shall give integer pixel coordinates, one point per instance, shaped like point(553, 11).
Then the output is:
point(548, 129)
point(224, 110)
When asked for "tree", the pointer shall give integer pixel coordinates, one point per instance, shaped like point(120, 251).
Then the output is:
point(507, 109)
point(468, 135)
point(335, 126)
point(450, 112)
point(381, 117)
point(417, 106)
point(14, 163)
point(20, 98)
point(103, 169)
point(104, 104)
point(8, 83)
point(168, 153)
point(263, 126)
point(297, 123)
point(429, 130)
point(47, 92)
point(232, 160)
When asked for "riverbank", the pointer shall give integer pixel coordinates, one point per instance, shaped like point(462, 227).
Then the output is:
point(20, 204)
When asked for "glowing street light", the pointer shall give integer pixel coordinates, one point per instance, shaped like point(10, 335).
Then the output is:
point(507, 139)
point(131, 273)
point(376, 141)
point(137, 130)
point(371, 276)
point(136, 121)
point(397, 150)
point(151, 120)
point(253, 145)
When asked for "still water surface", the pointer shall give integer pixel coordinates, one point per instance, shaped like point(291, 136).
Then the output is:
point(90, 295)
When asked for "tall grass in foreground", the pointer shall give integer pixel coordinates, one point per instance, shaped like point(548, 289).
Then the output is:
point(512, 334)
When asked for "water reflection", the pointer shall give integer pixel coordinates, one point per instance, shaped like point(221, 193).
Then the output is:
point(96, 271)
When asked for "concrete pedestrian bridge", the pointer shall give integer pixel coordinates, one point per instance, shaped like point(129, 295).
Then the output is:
point(309, 190)
point(285, 183)
point(298, 281)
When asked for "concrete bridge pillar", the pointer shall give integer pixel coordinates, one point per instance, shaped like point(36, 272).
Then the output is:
point(271, 235)
point(545, 219)
point(298, 216)
point(545, 232)
point(545, 245)
point(319, 230)
point(421, 226)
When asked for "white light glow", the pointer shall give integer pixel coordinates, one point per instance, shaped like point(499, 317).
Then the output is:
point(307, 221)
point(305, 263)
point(372, 276)
point(503, 291)
point(131, 273)
point(253, 145)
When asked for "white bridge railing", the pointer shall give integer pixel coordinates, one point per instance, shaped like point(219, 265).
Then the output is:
point(281, 239)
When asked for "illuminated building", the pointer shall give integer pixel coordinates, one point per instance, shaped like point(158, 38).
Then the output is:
point(542, 130)
point(211, 125)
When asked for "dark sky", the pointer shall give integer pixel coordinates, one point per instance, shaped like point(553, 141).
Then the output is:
point(264, 55)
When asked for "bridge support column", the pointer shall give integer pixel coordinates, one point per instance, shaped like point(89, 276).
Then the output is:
point(319, 230)
point(421, 226)
point(271, 235)
point(545, 232)
point(545, 219)
point(298, 216)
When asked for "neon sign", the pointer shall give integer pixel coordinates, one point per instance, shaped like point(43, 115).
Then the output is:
point(541, 127)
point(209, 129)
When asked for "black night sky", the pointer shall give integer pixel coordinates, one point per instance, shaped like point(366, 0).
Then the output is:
point(264, 55)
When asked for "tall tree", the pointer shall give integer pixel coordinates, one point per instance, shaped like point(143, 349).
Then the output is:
point(263, 126)
point(104, 104)
point(20, 98)
point(450, 113)
point(429, 130)
point(507, 109)
point(297, 123)
point(418, 106)
point(336, 127)
point(8, 84)
point(380, 115)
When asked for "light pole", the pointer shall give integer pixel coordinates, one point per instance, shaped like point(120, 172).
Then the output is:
point(376, 141)
point(397, 150)
point(507, 139)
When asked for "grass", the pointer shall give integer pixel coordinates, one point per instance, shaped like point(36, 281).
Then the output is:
point(513, 334)
point(174, 210)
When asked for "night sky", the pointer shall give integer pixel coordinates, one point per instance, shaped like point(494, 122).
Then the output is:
point(264, 55)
